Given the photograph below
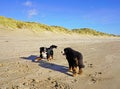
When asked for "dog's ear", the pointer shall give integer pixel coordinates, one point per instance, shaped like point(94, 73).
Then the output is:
point(41, 48)
point(65, 51)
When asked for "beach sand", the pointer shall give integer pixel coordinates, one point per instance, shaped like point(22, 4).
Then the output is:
point(18, 49)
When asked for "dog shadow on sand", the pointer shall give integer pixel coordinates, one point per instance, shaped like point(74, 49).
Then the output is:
point(31, 57)
point(54, 67)
point(48, 65)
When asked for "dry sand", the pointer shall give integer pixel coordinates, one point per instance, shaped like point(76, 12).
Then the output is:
point(18, 49)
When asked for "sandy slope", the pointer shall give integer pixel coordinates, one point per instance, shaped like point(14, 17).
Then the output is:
point(18, 49)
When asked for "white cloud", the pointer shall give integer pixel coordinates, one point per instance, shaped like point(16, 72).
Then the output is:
point(32, 12)
point(28, 3)
point(30, 9)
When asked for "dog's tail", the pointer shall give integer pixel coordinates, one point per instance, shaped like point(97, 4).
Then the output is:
point(53, 46)
point(82, 66)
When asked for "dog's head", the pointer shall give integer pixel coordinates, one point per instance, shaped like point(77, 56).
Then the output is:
point(43, 52)
point(66, 51)
point(43, 49)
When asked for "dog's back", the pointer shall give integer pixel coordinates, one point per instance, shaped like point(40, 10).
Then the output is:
point(50, 52)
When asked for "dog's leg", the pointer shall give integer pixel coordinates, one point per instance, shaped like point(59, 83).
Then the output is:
point(74, 71)
point(80, 71)
point(49, 58)
point(70, 69)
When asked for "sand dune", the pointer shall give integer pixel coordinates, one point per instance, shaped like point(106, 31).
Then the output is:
point(18, 71)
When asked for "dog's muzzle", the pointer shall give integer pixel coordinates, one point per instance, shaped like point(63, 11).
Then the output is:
point(63, 53)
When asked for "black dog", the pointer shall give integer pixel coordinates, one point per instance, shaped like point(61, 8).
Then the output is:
point(75, 59)
point(47, 53)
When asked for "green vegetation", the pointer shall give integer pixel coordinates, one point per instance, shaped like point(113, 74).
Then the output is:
point(37, 27)
point(14, 24)
point(60, 29)
point(89, 31)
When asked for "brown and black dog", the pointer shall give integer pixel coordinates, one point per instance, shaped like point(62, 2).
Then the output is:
point(46, 53)
point(75, 59)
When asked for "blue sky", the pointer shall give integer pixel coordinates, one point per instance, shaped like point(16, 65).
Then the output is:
point(101, 15)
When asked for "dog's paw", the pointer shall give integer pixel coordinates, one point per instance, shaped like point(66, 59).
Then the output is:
point(37, 59)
